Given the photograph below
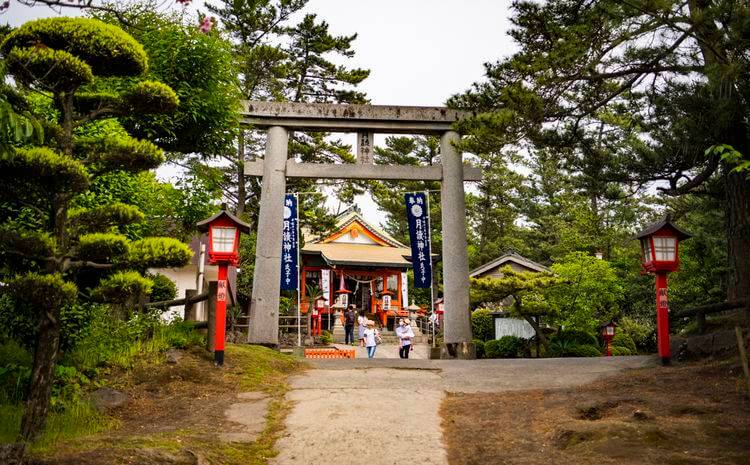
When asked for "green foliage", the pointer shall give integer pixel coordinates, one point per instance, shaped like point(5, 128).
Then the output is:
point(102, 247)
point(492, 348)
point(15, 371)
point(119, 153)
point(510, 347)
point(326, 337)
point(621, 351)
point(479, 347)
point(575, 337)
point(159, 252)
point(17, 128)
point(482, 324)
point(151, 97)
point(585, 350)
point(45, 168)
point(640, 331)
point(201, 70)
point(163, 288)
point(622, 339)
point(28, 243)
point(104, 217)
point(32, 66)
point(46, 292)
point(107, 49)
point(588, 292)
point(123, 286)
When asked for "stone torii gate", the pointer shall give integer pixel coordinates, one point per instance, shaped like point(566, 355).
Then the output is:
point(278, 118)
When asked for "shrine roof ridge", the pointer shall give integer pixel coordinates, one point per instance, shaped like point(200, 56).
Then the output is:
point(350, 117)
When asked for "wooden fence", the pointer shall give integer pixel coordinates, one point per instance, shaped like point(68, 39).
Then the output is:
point(701, 311)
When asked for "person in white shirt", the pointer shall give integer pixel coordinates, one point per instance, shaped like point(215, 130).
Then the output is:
point(405, 335)
point(371, 336)
point(361, 326)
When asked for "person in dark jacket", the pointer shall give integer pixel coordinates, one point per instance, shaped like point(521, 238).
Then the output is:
point(350, 317)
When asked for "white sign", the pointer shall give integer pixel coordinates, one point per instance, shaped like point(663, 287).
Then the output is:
point(404, 290)
point(325, 283)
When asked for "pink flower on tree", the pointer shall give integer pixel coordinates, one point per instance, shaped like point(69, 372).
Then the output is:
point(206, 25)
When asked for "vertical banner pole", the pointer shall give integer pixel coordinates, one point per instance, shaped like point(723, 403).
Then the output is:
point(429, 252)
point(299, 278)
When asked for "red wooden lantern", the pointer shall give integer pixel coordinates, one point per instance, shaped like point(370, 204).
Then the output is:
point(608, 333)
point(223, 250)
point(660, 246)
point(223, 237)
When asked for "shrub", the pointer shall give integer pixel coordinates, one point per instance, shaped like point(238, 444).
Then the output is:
point(623, 340)
point(482, 325)
point(583, 350)
point(102, 246)
point(122, 287)
point(479, 345)
point(617, 350)
point(159, 252)
point(576, 337)
point(510, 346)
point(492, 349)
point(326, 337)
point(163, 289)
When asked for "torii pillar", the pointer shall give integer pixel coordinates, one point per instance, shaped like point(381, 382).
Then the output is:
point(280, 117)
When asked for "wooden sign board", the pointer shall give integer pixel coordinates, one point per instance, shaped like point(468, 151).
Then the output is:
point(364, 148)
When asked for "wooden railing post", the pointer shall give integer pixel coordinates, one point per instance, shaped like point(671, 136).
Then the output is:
point(213, 286)
point(189, 314)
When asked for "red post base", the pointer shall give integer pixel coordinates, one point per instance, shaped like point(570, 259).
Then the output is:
point(221, 315)
point(662, 318)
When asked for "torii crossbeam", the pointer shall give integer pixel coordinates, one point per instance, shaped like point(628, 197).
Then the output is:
point(280, 117)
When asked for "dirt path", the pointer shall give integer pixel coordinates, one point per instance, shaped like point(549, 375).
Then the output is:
point(383, 412)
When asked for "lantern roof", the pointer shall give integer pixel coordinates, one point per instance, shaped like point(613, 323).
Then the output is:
point(665, 222)
point(241, 225)
point(609, 323)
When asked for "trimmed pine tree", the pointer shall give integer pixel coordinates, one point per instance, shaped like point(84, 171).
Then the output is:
point(91, 71)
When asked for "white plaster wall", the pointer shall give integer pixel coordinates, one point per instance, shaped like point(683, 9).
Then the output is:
point(184, 278)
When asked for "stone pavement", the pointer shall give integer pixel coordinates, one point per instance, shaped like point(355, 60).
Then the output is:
point(373, 412)
point(419, 351)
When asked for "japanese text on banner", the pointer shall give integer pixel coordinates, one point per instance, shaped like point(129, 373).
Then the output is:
point(417, 212)
point(289, 244)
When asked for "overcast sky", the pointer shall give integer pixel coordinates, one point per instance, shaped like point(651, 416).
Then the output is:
point(420, 52)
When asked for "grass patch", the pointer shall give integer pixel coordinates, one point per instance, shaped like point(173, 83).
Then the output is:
point(77, 419)
point(263, 369)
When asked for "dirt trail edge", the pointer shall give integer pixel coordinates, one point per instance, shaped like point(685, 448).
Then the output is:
point(383, 412)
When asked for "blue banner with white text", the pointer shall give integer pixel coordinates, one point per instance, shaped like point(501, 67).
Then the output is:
point(289, 244)
point(417, 212)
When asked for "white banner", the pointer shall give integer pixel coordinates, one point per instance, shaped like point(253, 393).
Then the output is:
point(325, 284)
point(404, 290)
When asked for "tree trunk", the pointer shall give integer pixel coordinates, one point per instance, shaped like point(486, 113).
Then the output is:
point(539, 334)
point(241, 186)
point(738, 234)
point(45, 356)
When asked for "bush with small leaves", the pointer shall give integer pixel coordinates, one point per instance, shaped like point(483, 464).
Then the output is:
point(583, 350)
point(510, 346)
point(33, 66)
point(159, 252)
point(103, 217)
point(56, 172)
point(119, 153)
point(44, 291)
point(152, 97)
point(122, 287)
point(576, 337)
point(479, 346)
point(104, 247)
point(482, 324)
point(109, 50)
point(163, 288)
point(492, 349)
point(622, 339)
point(621, 351)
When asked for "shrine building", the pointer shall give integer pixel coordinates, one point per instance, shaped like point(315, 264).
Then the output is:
point(357, 264)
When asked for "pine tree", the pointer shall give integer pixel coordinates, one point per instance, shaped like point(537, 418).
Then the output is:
point(64, 59)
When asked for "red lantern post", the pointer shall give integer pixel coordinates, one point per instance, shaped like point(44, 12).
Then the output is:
point(223, 250)
point(660, 256)
point(608, 333)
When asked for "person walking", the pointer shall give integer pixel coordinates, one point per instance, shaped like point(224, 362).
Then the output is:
point(405, 336)
point(349, 319)
point(371, 336)
point(362, 326)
